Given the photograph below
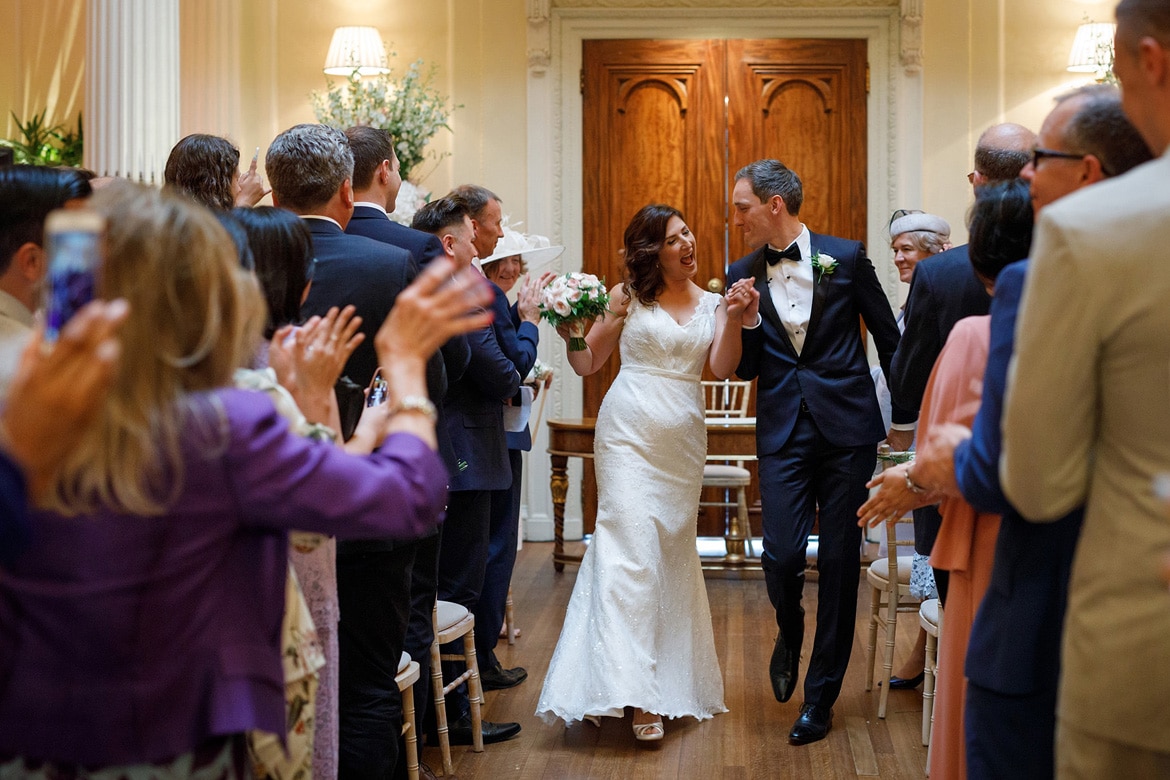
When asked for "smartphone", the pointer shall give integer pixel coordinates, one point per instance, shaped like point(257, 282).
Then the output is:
point(75, 246)
point(377, 394)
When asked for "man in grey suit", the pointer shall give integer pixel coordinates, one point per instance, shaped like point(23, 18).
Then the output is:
point(1090, 423)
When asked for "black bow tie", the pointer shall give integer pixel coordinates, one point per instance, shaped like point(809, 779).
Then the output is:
point(791, 253)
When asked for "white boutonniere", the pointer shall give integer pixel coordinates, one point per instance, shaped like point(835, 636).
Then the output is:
point(823, 264)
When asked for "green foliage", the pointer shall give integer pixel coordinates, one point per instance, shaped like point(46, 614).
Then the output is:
point(40, 143)
point(406, 106)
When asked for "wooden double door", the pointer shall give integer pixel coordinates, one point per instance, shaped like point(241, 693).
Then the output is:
point(671, 121)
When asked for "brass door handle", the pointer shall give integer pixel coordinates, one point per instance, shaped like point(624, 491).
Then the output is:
point(715, 285)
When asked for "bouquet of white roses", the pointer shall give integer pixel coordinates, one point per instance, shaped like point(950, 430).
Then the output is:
point(571, 300)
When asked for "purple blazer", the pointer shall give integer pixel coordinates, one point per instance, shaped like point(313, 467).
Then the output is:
point(133, 639)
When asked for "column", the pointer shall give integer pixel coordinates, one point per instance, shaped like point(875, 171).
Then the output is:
point(132, 87)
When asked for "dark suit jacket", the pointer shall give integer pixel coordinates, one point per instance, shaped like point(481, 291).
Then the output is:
point(369, 275)
point(1015, 640)
point(831, 374)
point(473, 412)
point(943, 290)
point(518, 341)
point(423, 247)
point(372, 223)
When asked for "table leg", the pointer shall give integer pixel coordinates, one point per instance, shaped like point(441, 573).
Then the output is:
point(559, 484)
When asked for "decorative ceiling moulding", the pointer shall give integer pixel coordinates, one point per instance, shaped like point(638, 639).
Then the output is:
point(912, 35)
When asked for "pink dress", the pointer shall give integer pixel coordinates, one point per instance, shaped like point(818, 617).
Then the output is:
point(966, 541)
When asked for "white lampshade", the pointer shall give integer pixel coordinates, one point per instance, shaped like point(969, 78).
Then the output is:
point(356, 50)
point(1092, 49)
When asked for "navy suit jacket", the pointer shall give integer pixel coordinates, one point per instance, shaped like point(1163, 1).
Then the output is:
point(14, 525)
point(831, 373)
point(943, 290)
point(473, 412)
point(372, 223)
point(1015, 640)
point(518, 341)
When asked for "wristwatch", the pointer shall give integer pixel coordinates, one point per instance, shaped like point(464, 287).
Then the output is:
point(913, 486)
point(415, 403)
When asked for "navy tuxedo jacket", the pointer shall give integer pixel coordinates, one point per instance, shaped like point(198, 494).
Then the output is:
point(943, 290)
point(831, 373)
point(1015, 640)
point(372, 223)
point(518, 341)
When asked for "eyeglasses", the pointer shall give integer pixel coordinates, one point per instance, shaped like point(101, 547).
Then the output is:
point(1039, 154)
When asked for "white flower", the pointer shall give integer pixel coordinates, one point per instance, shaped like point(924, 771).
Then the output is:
point(562, 307)
point(823, 264)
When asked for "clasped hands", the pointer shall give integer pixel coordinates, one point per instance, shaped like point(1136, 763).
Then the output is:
point(933, 470)
point(743, 300)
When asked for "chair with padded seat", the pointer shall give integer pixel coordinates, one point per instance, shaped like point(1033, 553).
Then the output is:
point(728, 399)
point(407, 676)
point(889, 581)
point(451, 622)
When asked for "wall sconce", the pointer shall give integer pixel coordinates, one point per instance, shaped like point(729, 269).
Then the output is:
point(1092, 49)
point(356, 52)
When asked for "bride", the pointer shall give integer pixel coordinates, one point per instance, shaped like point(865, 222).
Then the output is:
point(638, 629)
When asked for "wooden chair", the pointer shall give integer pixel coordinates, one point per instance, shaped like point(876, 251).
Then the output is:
point(722, 400)
point(930, 618)
point(408, 672)
point(451, 622)
point(889, 581)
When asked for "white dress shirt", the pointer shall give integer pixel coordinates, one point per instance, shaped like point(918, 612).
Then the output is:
point(16, 327)
point(370, 204)
point(791, 285)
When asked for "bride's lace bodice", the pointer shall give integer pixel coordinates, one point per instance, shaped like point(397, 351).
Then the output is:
point(652, 339)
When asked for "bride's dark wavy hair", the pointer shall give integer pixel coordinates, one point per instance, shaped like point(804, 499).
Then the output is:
point(643, 239)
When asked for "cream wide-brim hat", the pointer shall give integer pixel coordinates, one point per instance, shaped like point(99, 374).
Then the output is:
point(535, 250)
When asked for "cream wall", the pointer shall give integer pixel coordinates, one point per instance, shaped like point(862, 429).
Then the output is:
point(42, 56)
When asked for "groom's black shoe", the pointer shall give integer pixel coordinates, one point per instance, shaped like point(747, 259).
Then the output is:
point(812, 725)
point(783, 670)
point(460, 731)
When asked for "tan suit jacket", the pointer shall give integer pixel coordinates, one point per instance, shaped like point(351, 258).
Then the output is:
point(1088, 421)
point(16, 326)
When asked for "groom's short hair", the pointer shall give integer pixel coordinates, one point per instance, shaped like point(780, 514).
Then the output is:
point(772, 177)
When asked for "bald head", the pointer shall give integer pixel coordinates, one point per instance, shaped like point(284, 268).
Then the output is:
point(1002, 151)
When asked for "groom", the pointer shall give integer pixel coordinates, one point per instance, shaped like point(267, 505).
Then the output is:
point(817, 422)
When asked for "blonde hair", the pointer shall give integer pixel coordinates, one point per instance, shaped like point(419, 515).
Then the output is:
point(191, 312)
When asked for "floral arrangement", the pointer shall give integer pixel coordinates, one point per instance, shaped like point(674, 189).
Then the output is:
point(823, 264)
point(407, 106)
point(571, 300)
point(539, 373)
point(410, 199)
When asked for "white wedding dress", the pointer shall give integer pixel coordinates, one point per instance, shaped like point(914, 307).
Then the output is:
point(638, 628)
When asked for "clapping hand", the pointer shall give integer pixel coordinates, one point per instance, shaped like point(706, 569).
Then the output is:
point(528, 301)
point(309, 360)
point(893, 499)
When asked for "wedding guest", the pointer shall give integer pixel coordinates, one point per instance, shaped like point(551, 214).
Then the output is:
point(1000, 231)
point(180, 501)
point(1087, 423)
point(914, 237)
point(27, 194)
point(207, 168)
point(478, 463)
point(516, 329)
point(54, 397)
point(1013, 657)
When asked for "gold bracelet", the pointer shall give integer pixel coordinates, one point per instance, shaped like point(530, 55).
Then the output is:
point(415, 403)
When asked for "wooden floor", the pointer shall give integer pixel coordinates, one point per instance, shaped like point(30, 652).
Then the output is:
point(749, 741)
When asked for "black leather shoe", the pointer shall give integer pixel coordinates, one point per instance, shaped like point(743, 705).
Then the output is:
point(812, 725)
point(459, 733)
point(906, 683)
point(498, 678)
point(783, 670)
